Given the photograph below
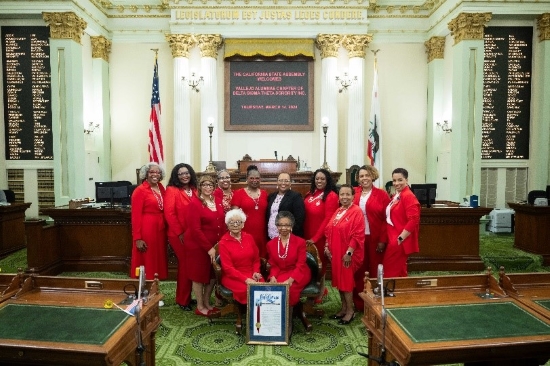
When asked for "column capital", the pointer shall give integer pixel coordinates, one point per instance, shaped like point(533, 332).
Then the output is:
point(209, 44)
point(65, 25)
point(180, 44)
point(435, 48)
point(355, 44)
point(543, 24)
point(469, 26)
point(328, 44)
point(101, 47)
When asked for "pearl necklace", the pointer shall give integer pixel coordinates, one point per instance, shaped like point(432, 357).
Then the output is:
point(339, 215)
point(283, 256)
point(210, 203)
point(188, 192)
point(158, 196)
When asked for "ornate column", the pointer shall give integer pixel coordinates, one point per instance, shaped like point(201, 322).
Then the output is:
point(101, 47)
point(355, 44)
point(539, 155)
point(180, 44)
point(66, 30)
point(328, 44)
point(209, 44)
point(435, 47)
point(467, 29)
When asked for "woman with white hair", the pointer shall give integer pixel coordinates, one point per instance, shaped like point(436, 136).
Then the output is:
point(148, 226)
point(239, 256)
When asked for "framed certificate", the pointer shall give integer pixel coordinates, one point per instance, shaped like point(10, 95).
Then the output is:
point(267, 314)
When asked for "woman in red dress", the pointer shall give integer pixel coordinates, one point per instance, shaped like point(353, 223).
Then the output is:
point(182, 186)
point(373, 202)
point(403, 223)
point(239, 256)
point(287, 258)
point(345, 236)
point(223, 192)
point(204, 228)
point(148, 226)
point(253, 201)
point(320, 204)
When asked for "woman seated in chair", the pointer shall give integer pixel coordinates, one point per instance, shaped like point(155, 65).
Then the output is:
point(287, 260)
point(239, 256)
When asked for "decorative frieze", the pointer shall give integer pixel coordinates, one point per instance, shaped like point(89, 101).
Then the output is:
point(356, 44)
point(328, 44)
point(101, 47)
point(65, 25)
point(435, 48)
point(180, 44)
point(469, 26)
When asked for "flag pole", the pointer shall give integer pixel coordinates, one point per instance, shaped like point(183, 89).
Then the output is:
point(374, 151)
point(156, 153)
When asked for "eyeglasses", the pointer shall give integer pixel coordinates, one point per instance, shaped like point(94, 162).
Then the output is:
point(283, 181)
point(254, 178)
point(224, 178)
point(283, 225)
point(207, 185)
point(184, 174)
point(154, 172)
point(234, 223)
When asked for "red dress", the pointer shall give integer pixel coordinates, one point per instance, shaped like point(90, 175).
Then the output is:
point(204, 229)
point(342, 233)
point(176, 203)
point(318, 213)
point(376, 216)
point(294, 265)
point(254, 210)
point(148, 225)
point(239, 261)
point(224, 199)
point(404, 214)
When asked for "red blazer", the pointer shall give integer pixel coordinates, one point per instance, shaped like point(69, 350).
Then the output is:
point(176, 202)
point(376, 213)
point(405, 214)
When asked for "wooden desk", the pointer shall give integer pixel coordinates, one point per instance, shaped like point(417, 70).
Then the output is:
point(532, 289)
point(532, 229)
point(71, 292)
point(269, 166)
point(80, 240)
point(448, 240)
point(12, 228)
point(453, 295)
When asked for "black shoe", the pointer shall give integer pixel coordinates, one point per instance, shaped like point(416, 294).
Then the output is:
point(193, 302)
point(185, 307)
point(337, 317)
point(346, 322)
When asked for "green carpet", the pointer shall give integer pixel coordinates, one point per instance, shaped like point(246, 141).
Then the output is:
point(184, 339)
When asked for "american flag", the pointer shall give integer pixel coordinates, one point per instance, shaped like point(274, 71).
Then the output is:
point(156, 153)
point(374, 153)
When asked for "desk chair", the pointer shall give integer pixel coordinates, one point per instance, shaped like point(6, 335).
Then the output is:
point(10, 195)
point(232, 307)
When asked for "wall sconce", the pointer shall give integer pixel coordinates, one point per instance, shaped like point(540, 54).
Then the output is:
point(444, 126)
point(91, 128)
point(194, 81)
point(344, 82)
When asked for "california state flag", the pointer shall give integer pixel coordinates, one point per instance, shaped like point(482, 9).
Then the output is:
point(374, 153)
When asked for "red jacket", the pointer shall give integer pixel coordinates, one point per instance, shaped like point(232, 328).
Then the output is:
point(376, 213)
point(405, 214)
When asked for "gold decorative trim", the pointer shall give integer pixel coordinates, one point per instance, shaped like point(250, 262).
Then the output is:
point(65, 25)
point(435, 48)
point(543, 24)
point(101, 47)
point(328, 44)
point(469, 26)
point(209, 44)
point(269, 47)
point(356, 44)
point(180, 44)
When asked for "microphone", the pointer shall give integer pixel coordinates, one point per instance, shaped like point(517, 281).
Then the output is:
point(380, 276)
point(275, 154)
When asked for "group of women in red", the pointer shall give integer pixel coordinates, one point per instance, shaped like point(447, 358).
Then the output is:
point(355, 230)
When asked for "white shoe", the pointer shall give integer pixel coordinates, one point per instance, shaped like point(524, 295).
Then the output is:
point(161, 303)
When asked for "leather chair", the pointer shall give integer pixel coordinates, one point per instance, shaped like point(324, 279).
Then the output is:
point(232, 307)
point(10, 195)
